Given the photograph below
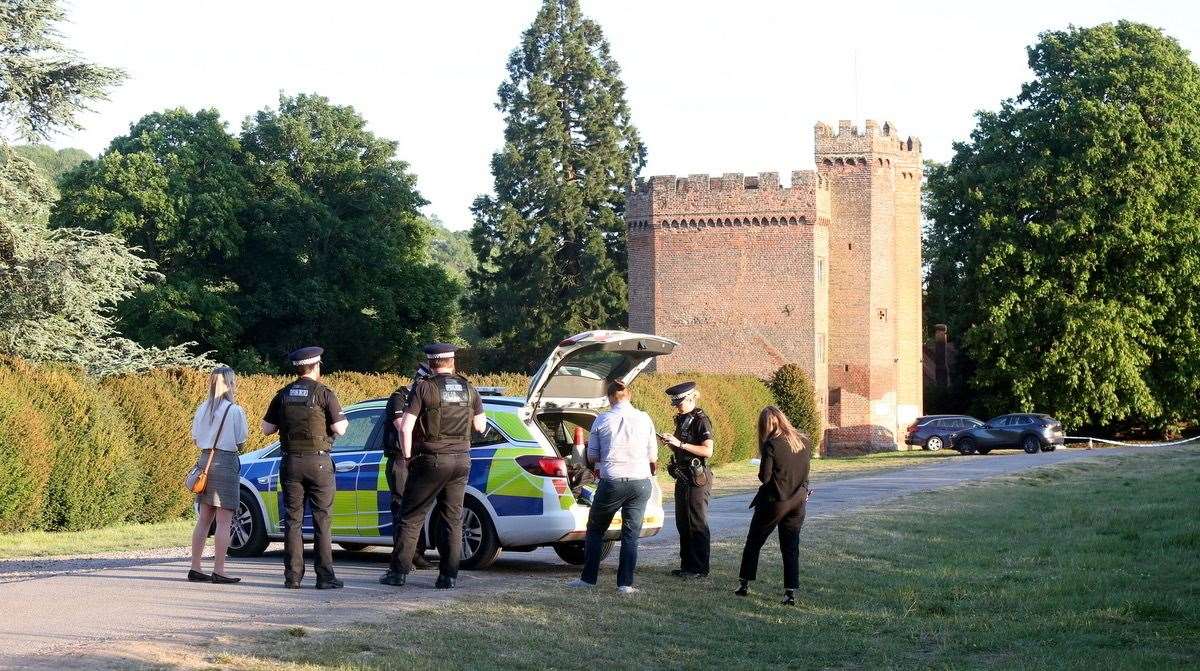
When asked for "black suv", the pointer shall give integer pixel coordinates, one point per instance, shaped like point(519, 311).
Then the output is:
point(933, 432)
point(1026, 431)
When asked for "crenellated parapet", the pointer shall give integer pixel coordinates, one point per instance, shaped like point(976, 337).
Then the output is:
point(874, 138)
point(732, 199)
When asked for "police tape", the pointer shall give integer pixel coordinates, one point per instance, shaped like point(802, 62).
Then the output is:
point(1118, 443)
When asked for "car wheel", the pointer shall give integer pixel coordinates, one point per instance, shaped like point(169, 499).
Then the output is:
point(982, 450)
point(247, 534)
point(1031, 444)
point(965, 446)
point(480, 544)
point(934, 443)
point(1049, 447)
point(572, 552)
point(353, 547)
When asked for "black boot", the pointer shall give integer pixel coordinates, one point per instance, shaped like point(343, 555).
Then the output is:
point(394, 578)
point(332, 583)
point(444, 582)
point(743, 588)
point(789, 597)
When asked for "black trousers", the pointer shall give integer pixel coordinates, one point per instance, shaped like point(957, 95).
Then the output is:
point(691, 520)
point(396, 471)
point(440, 479)
point(307, 478)
point(789, 517)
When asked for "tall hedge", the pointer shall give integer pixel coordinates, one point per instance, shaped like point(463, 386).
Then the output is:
point(796, 397)
point(76, 453)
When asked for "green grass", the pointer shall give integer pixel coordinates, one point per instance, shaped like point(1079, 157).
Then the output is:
point(1085, 565)
point(109, 539)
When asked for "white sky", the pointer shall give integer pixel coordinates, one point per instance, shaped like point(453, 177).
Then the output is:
point(715, 86)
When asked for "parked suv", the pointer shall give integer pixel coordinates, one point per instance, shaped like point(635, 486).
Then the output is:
point(1027, 431)
point(933, 432)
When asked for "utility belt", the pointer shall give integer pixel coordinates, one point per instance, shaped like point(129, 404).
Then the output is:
point(692, 472)
point(303, 453)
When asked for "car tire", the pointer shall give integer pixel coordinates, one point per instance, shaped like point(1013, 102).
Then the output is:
point(573, 553)
point(1049, 447)
point(353, 547)
point(965, 446)
point(481, 544)
point(1031, 444)
point(935, 443)
point(982, 450)
point(248, 533)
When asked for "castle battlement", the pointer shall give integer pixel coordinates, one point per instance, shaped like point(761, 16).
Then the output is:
point(733, 198)
point(874, 139)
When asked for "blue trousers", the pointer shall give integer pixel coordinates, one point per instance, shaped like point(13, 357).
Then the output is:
point(629, 496)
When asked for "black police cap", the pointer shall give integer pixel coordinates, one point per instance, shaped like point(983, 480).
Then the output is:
point(440, 350)
point(305, 356)
point(680, 390)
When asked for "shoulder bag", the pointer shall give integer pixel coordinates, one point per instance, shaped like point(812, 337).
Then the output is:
point(197, 479)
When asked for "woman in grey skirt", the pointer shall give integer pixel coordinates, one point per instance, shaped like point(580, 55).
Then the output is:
point(219, 428)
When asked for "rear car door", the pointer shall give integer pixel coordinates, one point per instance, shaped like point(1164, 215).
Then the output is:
point(349, 453)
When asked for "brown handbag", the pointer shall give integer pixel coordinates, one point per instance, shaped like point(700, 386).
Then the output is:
point(197, 479)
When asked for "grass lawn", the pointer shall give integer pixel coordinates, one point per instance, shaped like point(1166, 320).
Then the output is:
point(1084, 565)
point(109, 539)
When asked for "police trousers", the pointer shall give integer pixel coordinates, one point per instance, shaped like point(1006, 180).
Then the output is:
point(789, 517)
point(440, 479)
point(307, 481)
point(396, 471)
point(691, 520)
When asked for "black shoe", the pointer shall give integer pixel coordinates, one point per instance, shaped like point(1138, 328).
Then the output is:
point(196, 576)
point(679, 573)
point(789, 599)
point(291, 584)
point(444, 582)
point(332, 583)
point(224, 579)
point(394, 579)
point(743, 588)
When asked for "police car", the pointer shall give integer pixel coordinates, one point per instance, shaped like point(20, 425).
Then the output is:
point(527, 487)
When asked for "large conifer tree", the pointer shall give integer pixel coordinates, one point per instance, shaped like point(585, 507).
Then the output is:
point(551, 240)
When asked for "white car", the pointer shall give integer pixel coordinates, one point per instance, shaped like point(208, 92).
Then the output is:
point(527, 487)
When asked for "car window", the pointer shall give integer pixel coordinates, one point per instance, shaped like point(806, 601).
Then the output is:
point(959, 423)
point(359, 432)
point(490, 436)
point(1002, 421)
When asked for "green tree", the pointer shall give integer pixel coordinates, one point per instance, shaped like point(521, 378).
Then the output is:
point(58, 288)
point(796, 397)
point(336, 250)
point(53, 162)
point(451, 249)
point(551, 241)
point(174, 186)
point(1065, 236)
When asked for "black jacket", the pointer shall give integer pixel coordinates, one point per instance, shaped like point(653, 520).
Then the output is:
point(783, 473)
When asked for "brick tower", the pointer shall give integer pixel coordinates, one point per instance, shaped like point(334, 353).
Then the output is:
point(748, 274)
point(875, 282)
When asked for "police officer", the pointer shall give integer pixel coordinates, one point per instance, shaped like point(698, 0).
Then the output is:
point(691, 446)
point(446, 408)
point(396, 466)
point(308, 416)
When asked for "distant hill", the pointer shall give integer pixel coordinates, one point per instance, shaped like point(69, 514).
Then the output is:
point(53, 162)
point(451, 249)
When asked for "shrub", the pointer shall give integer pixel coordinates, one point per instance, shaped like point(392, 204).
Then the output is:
point(795, 396)
point(26, 455)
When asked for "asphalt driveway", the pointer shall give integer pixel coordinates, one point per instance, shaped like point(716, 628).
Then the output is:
point(60, 613)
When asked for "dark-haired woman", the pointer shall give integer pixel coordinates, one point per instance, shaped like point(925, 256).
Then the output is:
point(783, 470)
point(219, 430)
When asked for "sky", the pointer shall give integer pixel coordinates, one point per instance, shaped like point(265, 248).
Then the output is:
point(714, 86)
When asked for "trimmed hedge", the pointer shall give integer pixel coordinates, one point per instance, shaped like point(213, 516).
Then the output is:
point(76, 453)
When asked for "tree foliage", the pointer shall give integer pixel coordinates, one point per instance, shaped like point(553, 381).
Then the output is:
point(550, 241)
point(174, 186)
point(43, 84)
point(1065, 235)
point(796, 397)
point(52, 162)
point(58, 288)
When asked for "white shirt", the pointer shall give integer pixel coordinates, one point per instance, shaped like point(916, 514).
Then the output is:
point(622, 442)
point(204, 428)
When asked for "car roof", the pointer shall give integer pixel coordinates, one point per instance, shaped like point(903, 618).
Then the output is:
point(946, 417)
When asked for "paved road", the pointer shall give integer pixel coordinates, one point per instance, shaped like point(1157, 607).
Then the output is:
point(59, 614)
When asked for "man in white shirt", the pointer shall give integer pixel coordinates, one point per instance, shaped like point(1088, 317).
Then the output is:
point(622, 446)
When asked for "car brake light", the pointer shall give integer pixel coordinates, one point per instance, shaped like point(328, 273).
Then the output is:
point(560, 485)
point(912, 428)
point(547, 467)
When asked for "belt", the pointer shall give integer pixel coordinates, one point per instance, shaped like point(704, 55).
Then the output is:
point(305, 453)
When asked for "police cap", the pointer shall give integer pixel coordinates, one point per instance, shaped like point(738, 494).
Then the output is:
point(440, 350)
point(681, 391)
point(305, 356)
